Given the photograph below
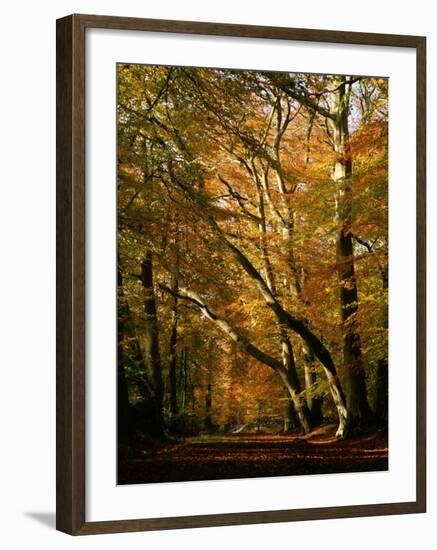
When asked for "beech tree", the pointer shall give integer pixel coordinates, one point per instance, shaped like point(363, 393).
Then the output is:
point(252, 215)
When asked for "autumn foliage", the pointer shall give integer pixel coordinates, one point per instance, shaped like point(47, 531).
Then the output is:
point(252, 252)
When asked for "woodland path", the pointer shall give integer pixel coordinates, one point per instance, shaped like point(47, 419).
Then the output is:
point(252, 455)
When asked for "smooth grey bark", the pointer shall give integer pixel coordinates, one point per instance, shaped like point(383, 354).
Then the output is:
point(243, 342)
point(285, 368)
point(284, 217)
point(292, 382)
point(359, 413)
point(267, 266)
point(299, 326)
point(336, 116)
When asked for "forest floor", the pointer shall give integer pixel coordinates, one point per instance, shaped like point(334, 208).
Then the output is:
point(233, 456)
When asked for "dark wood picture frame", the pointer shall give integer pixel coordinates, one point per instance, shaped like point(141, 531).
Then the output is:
point(71, 246)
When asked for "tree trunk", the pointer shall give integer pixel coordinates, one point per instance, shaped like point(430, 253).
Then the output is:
point(124, 415)
point(267, 266)
point(287, 353)
point(290, 419)
point(285, 368)
point(258, 417)
point(299, 326)
point(314, 403)
point(291, 382)
point(184, 377)
point(381, 405)
point(353, 378)
point(151, 344)
point(286, 221)
point(173, 354)
point(208, 408)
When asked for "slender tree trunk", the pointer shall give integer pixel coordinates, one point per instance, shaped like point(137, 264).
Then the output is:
point(308, 136)
point(208, 407)
point(124, 413)
point(172, 372)
point(172, 369)
point(314, 403)
point(353, 377)
point(258, 416)
point(381, 406)
point(290, 419)
point(151, 343)
point(291, 382)
point(267, 266)
point(299, 326)
point(184, 376)
point(285, 368)
point(286, 222)
point(287, 352)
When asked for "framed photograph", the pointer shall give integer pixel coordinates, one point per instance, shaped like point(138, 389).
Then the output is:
point(240, 274)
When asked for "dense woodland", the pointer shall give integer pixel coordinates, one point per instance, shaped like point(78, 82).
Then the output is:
point(252, 254)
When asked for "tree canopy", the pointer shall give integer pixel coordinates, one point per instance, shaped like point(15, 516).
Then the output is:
point(252, 250)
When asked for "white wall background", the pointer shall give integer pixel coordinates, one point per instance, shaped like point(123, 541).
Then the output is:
point(27, 218)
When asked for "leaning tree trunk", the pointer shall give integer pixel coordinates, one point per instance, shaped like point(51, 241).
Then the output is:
point(284, 217)
point(287, 353)
point(291, 382)
point(285, 368)
point(151, 345)
point(299, 326)
point(353, 377)
point(314, 403)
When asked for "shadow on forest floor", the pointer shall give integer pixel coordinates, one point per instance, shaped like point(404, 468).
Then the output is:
point(232, 456)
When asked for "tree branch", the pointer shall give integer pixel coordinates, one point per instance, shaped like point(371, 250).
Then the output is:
point(185, 293)
point(238, 198)
point(299, 326)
